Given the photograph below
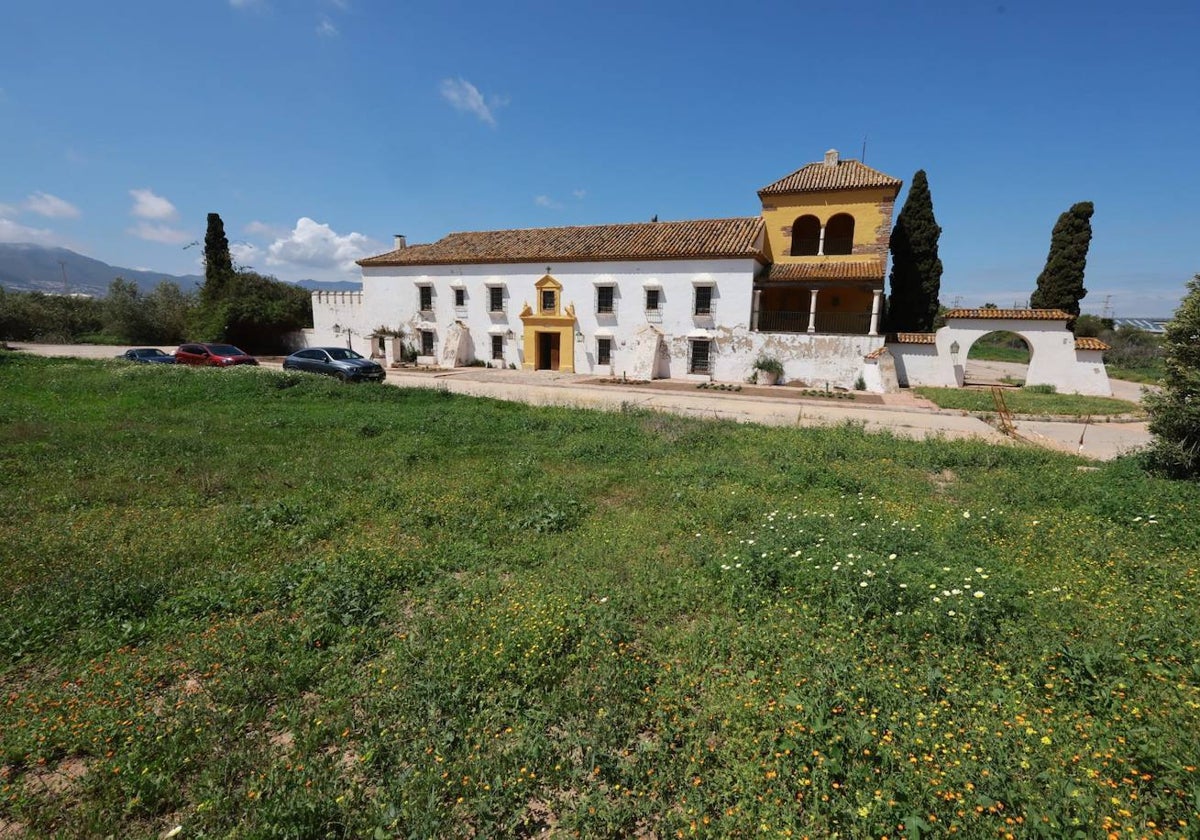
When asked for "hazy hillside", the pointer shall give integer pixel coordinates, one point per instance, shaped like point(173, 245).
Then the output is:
point(38, 268)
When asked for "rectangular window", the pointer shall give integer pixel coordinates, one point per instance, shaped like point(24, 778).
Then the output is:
point(460, 298)
point(653, 300)
point(498, 347)
point(604, 300)
point(547, 300)
point(495, 298)
point(699, 362)
point(426, 298)
point(426, 342)
point(703, 300)
point(604, 351)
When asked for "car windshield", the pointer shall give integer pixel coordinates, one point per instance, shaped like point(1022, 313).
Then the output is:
point(224, 350)
point(148, 351)
point(341, 354)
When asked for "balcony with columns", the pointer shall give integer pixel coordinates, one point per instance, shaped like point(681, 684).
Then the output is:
point(827, 309)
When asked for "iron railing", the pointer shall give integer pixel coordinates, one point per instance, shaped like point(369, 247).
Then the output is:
point(836, 323)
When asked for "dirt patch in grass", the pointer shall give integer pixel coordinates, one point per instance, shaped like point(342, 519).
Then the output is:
point(57, 781)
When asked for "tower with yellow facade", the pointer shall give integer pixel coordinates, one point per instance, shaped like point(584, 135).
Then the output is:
point(827, 227)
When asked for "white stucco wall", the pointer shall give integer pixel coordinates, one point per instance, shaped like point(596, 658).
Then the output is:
point(923, 364)
point(341, 309)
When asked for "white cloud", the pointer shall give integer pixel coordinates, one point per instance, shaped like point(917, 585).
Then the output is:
point(7, 210)
point(579, 194)
point(147, 205)
point(244, 253)
point(326, 29)
point(159, 233)
point(465, 97)
point(248, 4)
point(257, 228)
point(51, 206)
point(10, 231)
point(312, 245)
point(546, 201)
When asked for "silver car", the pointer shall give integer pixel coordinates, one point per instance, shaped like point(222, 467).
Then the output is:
point(341, 362)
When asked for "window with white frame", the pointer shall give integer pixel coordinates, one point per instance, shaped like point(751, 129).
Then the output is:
point(699, 356)
point(426, 342)
point(604, 351)
point(703, 300)
point(653, 300)
point(498, 348)
point(604, 299)
point(495, 298)
point(460, 298)
point(425, 298)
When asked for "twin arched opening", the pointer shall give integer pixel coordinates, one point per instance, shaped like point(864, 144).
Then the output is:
point(811, 239)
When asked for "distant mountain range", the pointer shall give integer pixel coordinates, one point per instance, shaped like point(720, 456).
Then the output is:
point(26, 267)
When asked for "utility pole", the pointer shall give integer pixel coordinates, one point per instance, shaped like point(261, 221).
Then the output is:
point(66, 288)
point(1106, 310)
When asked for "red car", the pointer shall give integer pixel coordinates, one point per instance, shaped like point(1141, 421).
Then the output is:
point(214, 355)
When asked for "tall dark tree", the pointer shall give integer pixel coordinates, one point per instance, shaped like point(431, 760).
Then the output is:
point(218, 264)
point(1175, 410)
point(916, 268)
point(1060, 285)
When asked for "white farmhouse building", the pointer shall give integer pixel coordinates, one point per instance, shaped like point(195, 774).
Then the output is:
point(802, 283)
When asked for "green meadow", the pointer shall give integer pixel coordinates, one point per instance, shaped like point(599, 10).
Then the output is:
point(248, 604)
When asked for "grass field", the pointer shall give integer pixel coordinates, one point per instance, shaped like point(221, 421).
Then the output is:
point(252, 605)
point(1029, 401)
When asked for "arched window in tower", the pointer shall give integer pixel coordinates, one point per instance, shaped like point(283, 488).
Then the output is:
point(839, 234)
point(806, 236)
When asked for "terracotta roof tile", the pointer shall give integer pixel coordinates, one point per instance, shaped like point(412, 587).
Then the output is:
point(698, 239)
point(828, 270)
point(914, 338)
point(840, 175)
point(1090, 344)
point(1028, 314)
point(877, 352)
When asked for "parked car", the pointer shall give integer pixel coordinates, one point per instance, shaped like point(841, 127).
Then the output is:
point(213, 355)
point(341, 362)
point(147, 356)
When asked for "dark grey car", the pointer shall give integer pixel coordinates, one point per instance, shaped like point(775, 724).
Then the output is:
point(341, 362)
point(147, 356)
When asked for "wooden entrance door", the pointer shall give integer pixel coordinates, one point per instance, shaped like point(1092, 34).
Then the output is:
point(548, 348)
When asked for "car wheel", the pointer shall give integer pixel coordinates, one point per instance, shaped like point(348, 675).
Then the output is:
point(344, 377)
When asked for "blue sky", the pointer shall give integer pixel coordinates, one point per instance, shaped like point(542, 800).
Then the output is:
point(319, 128)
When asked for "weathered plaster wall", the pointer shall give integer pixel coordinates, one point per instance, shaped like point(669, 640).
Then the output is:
point(871, 209)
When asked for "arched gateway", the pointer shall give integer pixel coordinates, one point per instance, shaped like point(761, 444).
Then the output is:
point(1071, 365)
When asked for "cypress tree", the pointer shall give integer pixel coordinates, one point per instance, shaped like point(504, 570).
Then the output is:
point(1060, 285)
point(916, 278)
point(1175, 410)
point(218, 265)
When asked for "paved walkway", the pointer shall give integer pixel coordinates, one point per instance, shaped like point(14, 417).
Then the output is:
point(904, 414)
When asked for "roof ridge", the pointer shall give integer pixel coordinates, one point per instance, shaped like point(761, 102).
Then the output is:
point(610, 224)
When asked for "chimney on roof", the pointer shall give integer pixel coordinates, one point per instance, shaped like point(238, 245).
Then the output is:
point(831, 157)
point(401, 242)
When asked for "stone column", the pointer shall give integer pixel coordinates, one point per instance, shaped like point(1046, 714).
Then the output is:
point(754, 310)
point(875, 312)
point(812, 312)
